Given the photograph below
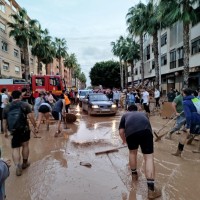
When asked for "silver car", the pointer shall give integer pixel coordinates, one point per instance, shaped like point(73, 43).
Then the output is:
point(98, 104)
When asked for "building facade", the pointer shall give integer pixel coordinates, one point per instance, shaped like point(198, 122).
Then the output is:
point(12, 57)
point(170, 42)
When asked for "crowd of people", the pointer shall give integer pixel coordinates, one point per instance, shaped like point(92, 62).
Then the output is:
point(17, 115)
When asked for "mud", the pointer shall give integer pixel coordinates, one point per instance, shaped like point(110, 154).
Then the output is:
point(56, 173)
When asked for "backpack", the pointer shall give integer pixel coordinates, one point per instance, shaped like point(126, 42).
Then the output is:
point(196, 103)
point(16, 118)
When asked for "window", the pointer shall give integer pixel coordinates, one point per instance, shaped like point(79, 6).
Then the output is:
point(15, 9)
point(164, 40)
point(7, 1)
point(136, 71)
point(173, 59)
point(2, 8)
point(5, 66)
point(17, 69)
point(39, 81)
point(2, 27)
point(196, 46)
point(153, 64)
point(148, 52)
point(163, 60)
point(4, 46)
point(16, 53)
point(180, 56)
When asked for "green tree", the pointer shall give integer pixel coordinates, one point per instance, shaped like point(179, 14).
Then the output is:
point(181, 11)
point(105, 73)
point(136, 21)
point(60, 45)
point(25, 33)
point(83, 79)
point(43, 48)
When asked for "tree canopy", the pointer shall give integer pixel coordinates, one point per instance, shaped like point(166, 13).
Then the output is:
point(106, 73)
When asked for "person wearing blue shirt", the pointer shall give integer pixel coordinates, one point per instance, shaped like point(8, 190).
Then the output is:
point(192, 119)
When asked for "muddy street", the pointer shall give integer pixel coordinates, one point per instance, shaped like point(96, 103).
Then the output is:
point(56, 173)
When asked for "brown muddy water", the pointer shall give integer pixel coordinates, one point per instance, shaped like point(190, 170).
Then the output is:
point(56, 174)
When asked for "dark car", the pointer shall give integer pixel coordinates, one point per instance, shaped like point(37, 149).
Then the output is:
point(98, 104)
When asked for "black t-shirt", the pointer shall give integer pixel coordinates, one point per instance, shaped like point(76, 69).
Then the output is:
point(134, 122)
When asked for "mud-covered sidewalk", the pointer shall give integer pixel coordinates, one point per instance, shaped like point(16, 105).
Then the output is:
point(56, 173)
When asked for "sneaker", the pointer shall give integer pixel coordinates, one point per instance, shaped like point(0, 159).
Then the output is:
point(18, 171)
point(168, 136)
point(25, 165)
point(154, 194)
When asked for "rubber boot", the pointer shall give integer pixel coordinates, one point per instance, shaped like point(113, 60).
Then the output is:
point(153, 194)
point(177, 153)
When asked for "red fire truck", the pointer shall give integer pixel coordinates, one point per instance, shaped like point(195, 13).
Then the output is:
point(38, 83)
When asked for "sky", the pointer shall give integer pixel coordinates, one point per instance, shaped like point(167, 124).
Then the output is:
point(89, 26)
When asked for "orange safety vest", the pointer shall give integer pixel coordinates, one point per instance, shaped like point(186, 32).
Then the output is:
point(67, 101)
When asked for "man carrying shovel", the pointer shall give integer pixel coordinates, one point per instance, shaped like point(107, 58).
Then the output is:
point(135, 129)
point(177, 106)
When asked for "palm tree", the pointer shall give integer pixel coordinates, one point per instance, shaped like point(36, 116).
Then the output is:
point(136, 21)
point(182, 11)
point(42, 48)
point(25, 33)
point(71, 62)
point(60, 45)
point(153, 24)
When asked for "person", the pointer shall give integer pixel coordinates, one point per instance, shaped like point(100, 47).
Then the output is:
point(145, 101)
point(20, 136)
point(177, 106)
point(67, 101)
point(116, 97)
point(131, 98)
point(44, 111)
point(4, 102)
point(38, 101)
point(137, 99)
point(57, 112)
point(192, 120)
point(171, 95)
point(157, 97)
point(50, 99)
point(4, 173)
point(135, 130)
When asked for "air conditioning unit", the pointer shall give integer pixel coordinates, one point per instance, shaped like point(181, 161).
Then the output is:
point(150, 70)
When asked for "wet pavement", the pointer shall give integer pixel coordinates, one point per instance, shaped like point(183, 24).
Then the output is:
point(56, 173)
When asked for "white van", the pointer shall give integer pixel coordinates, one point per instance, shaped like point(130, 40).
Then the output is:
point(82, 94)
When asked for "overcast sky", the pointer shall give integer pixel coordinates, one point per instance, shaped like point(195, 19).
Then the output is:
point(89, 26)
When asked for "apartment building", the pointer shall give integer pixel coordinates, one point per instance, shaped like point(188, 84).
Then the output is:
point(11, 56)
point(170, 42)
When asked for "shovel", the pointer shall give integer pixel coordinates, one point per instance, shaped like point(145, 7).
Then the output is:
point(158, 137)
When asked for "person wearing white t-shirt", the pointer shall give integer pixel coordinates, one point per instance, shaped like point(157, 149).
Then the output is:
point(145, 101)
point(4, 102)
point(157, 97)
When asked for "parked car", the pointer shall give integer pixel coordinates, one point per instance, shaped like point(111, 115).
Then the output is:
point(81, 95)
point(98, 104)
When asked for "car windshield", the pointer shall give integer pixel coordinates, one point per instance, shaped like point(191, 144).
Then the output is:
point(98, 98)
point(84, 93)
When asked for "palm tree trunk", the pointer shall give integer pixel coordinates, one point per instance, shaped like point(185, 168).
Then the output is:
point(38, 68)
point(26, 61)
point(121, 74)
point(60, 69)
point(186, 48)
point(132, 74)
point(142, 59)
point(126, 74)
point(155, 51)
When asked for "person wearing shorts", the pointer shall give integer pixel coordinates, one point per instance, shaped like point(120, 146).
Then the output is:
point(44, 111)
point(57, 112)
point(135, 130)
point(20, 137)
